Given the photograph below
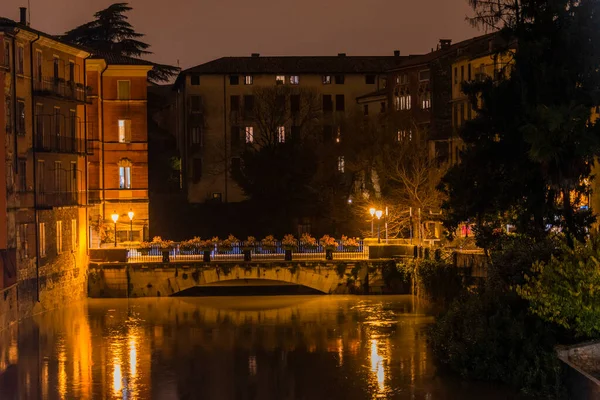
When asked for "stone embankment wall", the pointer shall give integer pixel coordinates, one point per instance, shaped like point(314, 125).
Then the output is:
point(158, 279)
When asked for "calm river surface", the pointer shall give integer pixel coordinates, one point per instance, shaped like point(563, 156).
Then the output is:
point(287, 347)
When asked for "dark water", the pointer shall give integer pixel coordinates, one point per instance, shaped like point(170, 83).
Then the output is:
point(290, 347)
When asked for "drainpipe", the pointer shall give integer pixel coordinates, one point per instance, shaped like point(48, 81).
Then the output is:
point(85, 154)
point(101, 99)
point(225, 136)
point(35, 188)
point(14, 99)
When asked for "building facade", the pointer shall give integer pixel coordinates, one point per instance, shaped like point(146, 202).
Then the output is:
point(118, 163)
point(219, 103)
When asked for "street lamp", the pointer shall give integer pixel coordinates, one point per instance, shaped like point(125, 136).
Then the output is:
point(372, 212)
point(115, 218)
point(130, 213)
point(378, 213)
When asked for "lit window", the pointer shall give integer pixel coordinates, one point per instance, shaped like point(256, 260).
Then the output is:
point(294, 79)
point(426, 100)
point(74, 234)
point(59, 237)
point(326, 79)
point(404, 135)
point(124, 130)
point(338, 136)
point(249, 134)
point(248, 80)
point(280, 79)
point(124, 174)
point(123, 90)
point(197, 135)
point(281, 134)
point(341, 164)
point(42, 239)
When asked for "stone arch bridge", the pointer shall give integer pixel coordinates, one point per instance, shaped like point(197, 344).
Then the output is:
point(166, 279)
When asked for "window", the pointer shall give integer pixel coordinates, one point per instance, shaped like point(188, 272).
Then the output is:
point(7, 54)
point(461, 114)
point(71, 71)
point(469, 72)
point(22, 171)
point(338, 135)
point(382, 107)
point(455, 75)
point(196, 135)
point(39, 120)
point(403, 102)
point(73, 123)
point(196, 103)
point(234, 80)
point(21, 117)
point(249, 134)
point(326, 79)
point(383, 82)
point(23, 240)
point(295, 103)
point(327, 133)
point(280, 79)
point(42, 239)
point(294, 80)
point(38, 65)
point(327, 103)
point(195, 80)
point(55, 66)
point(340, 104)
point(124, 90)
point(366, 109)
point(339, 79)
point(426, 100)
point(402, 79)
point(124, 130)
point(404, 135)
point(124, 174)
point(196, 169)
point(73, 234)
point(59, 236)
point(217, 197)
point(8, 115)
point(281, 134)
point(370, 79)
point(424, 75)
point(248, 80)
point(73, 176)
point(295, 132)
point(57, 176)
point(57, 121)
point(20, 60)
point(462, 73)
point(341, 164)
point(234, 103)
point(248, 104)
point(41, 173)
point(236, 164)
point(235, 136)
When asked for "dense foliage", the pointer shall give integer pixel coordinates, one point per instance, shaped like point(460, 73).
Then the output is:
point(110, 32)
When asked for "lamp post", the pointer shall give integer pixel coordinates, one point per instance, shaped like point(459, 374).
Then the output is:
point(115, 218)
point(378, 213)
point(386, 225)
point(130, 213)
point(372, 212)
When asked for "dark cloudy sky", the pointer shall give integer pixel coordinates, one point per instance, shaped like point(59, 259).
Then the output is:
point(196, 31)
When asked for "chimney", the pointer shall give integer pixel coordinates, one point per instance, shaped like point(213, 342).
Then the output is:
point(396, 53)
point(23, 15)
point(445, 43)
point(341, 54)
point(255, 55)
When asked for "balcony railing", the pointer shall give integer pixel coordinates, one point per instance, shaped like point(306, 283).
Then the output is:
point(60, 199)
point(57, 87)
point(60, 144)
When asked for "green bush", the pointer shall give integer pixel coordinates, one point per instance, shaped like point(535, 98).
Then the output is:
point(441, 282)
point(490, 335)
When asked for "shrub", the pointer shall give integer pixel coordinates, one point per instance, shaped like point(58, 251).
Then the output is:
point(328, 242)
point(350, 243)
point(289, 242)
point(268, 243)
point(306, 240)
point(490, 335)
point(442, 282)
point(227, 244)
point(250, 243)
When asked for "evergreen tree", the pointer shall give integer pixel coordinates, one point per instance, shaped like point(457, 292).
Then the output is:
point(110, 32)
point(530, 151)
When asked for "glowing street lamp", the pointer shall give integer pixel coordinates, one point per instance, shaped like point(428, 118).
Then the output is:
point(115, 218)
point(378, 213)
point(130, 214)
point(372, 212)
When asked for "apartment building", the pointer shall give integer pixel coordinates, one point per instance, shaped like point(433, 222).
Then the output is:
point(218, 102)
point(118, 161)
point(44, 229)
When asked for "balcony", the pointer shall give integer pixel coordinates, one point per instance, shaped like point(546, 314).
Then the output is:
point(60, 199)
point(58, 88)
point(51, 143)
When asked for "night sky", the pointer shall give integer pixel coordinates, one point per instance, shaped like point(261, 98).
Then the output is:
point(196, 31)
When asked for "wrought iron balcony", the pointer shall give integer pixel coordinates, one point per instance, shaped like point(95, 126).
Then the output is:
point(53, 143)
point(56, 87)
point(60, 199)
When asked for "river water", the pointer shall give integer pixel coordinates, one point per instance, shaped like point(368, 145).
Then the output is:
point(284, 347)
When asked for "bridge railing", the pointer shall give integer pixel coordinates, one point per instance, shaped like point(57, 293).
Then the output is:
point(236, 253)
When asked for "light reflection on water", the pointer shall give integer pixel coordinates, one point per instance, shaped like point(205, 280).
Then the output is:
point(325, 347)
